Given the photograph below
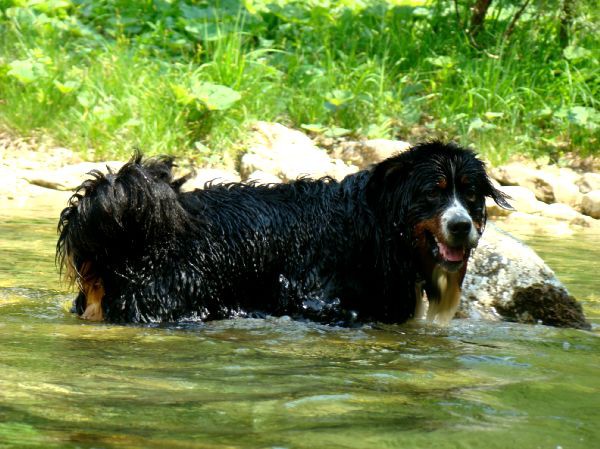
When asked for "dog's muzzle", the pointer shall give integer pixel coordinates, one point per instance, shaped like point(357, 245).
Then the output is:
point(459, 236)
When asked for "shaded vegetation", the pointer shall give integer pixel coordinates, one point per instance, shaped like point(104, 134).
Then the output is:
point(174, 76)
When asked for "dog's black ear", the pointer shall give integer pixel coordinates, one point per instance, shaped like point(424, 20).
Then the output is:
point(386, 175)
point(499, 197)
point(160, 168)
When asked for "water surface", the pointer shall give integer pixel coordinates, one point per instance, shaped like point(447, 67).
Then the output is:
point(65, 383)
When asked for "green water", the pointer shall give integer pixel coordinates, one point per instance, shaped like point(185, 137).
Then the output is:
point(65, 383)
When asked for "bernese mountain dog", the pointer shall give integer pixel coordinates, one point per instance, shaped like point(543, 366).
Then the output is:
point(363, 249)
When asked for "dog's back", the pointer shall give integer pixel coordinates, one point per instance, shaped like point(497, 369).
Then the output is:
point(285, 248)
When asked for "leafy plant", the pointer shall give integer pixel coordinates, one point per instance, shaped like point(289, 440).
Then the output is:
point(213, 97)
point(175, 76)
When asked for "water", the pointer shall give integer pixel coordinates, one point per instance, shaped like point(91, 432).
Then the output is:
point(65, 383)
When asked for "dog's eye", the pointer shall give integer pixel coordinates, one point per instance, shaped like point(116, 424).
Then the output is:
point(433, 195)
point(470, 195)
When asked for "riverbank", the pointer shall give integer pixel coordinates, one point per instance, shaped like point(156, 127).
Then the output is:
point(548, 199)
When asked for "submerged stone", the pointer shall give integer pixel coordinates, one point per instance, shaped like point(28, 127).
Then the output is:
point(545, 303)
point(506, 279)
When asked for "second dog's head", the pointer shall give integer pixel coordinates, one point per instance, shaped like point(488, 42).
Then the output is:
point(114, 216)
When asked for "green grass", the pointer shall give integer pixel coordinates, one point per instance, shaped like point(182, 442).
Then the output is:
point(179, 77)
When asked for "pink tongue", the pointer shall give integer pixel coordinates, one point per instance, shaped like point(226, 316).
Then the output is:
point(451, 254)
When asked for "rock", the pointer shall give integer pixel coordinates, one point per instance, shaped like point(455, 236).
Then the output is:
point(563, 212)
point(586, 222)
point(33, 153)
point(252, 162)
point(69, 177)
point(590, 204)
point(567, 193)
point(546, 304)
point(384, 148)
point(206, 175)
point(368, 152)
point(563, 182)
point(511, 174)
point(523, 199)
point(517, 174)
point(589, 182)
point(288, 154)
point(542, 187)
point(262, 177)
point(339, 169)
point(538, 224)
point(551, 185)
point(502, 271)
point(560, 211)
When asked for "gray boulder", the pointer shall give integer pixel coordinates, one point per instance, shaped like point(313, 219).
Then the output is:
point(551, 185)
point(506, 279)
point(368, 152)
point(518, 174)
point(288, 154)
point(588, 182)
point(591, 204)
point(523, 199)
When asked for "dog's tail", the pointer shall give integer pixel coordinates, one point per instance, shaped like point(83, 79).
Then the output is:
point(118, 213)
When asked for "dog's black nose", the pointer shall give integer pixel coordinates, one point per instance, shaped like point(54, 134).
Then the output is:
point(459, 227)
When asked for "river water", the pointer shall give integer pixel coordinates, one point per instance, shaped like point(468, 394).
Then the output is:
point(65, 383)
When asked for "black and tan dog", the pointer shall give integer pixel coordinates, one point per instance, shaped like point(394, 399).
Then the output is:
point(362, 249)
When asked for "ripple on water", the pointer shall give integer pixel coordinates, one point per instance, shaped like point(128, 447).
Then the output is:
point(251, 383)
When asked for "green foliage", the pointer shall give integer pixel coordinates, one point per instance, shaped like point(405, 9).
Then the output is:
point(203, 95)
point(175, 76)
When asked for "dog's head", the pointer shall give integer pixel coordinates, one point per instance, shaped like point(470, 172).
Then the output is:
point(112, 216)
point(432, 197)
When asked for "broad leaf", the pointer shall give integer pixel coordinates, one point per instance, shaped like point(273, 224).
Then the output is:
point(583, 116)
point(479, 125)
point(336, 131)
point(23, 71)
point(441, 61)
point(67, 87)
point(574, 53)
point(215, 97)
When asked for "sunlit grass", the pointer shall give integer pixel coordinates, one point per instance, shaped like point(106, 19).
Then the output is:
point(106, 77)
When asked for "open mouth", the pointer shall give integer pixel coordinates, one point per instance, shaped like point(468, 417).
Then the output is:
point(449, 257)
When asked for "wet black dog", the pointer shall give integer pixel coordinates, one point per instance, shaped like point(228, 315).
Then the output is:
point(361, 249)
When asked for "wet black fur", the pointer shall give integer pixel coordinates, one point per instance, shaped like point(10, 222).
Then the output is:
point(319, 249)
